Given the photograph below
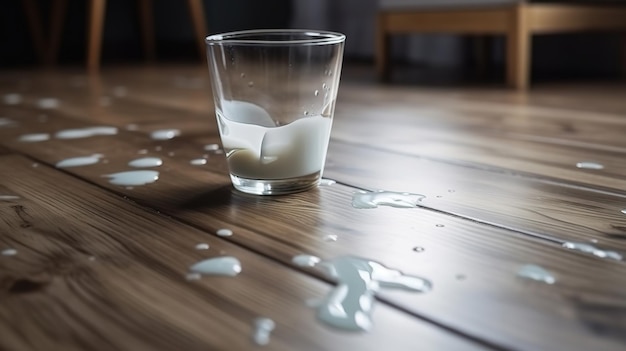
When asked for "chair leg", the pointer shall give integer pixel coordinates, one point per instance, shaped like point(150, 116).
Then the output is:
point(57, 18)
point(382, 49)
point(147, 28)
point(94, 40)
point(518, 49)
point(199, 25)
point(623, 54)
point(36, 30)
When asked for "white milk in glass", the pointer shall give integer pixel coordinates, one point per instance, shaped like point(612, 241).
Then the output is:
point(256, 148)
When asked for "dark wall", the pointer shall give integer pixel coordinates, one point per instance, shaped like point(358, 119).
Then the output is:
point(121, 42)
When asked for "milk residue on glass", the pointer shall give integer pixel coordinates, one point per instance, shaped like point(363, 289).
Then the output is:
point(373, 199)
point(87, 132)
point(146, 162)
point(164, 134)
point(624, 211)
point(34, 137)
point(262, 329)
point(133, 178)
point(79, 161)
point(257, 148)
point(536, 273)
point(349, 305)
point(225, 266)
point(589, 165)
point(590, 249)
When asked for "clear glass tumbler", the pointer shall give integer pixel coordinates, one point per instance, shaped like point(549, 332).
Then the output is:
point(275, 93)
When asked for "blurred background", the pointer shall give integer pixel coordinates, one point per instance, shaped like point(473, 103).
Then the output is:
point(442, 57)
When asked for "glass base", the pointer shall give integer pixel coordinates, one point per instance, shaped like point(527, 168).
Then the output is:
point(275, 186)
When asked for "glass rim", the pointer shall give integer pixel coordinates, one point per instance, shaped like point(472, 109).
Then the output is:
point(244, 37)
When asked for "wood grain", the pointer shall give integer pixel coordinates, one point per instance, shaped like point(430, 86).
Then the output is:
point(96, 271)
point(501, 192)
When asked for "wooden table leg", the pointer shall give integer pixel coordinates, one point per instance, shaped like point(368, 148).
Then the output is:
point(57, 17)
point(199, 25)
point(147, 28)
point(35, 26)
point(518, 50)
point(97, 12)
point(382, 49)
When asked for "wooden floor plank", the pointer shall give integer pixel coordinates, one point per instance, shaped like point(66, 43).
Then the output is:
point(488, 257)
point(95, 271)
point(516, 149)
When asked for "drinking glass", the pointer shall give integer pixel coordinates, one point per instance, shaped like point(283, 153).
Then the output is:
point(275, 93)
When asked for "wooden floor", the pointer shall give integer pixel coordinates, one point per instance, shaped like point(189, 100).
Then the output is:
point(90, 265)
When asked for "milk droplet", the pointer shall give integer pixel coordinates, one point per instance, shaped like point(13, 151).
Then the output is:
point(262, 329)
point(365, 199)
point(250, 84)
point(316, 93)
point(35, 165)
point(146, 162)
point(224, 232)
point(418, 249)
point(439, 225)
point(624, 211)
point(590, 249)
point(305, 260)
point(132, 127)
point(9, 197)
point(202, 246)
point(158, 148)
point(327, 182)
point(330, 237)
point(133, 178)
point(242, 75)
point(211, 147)
point(193, 276)
point(104, 101)
point(324, 86)
point(5, 122)
point(165, 134)
point(9, 252)
point(589, 165)
point(120, 91)
point(48, 103)
point(79, 161)
point(536, 273)
point(349, 304)
point(85, 132)
point(171, 153)
point(142, 151)
point(12, 99)
point(35, 137)
point(198, 162)
point(225, 266)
